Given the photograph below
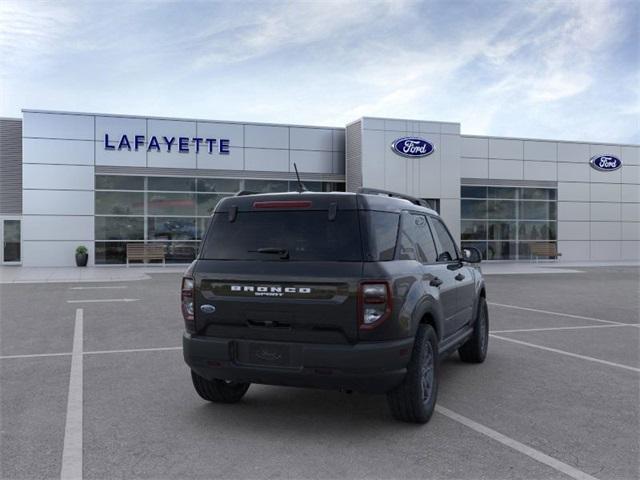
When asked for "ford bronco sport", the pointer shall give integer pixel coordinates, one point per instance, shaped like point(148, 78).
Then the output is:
point(352, 291)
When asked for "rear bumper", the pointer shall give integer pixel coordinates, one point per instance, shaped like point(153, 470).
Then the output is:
point(366, 367)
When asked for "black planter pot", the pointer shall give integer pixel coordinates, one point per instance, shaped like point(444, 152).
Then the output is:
point(82, 259)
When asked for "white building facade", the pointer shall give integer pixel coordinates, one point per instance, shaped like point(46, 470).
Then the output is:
point(105, 181)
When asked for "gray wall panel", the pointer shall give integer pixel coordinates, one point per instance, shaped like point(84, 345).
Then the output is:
point(10, 166)
point(353, 157)
point(58, 152)
point(266, 136)
point(69, 126)
point(311, 139)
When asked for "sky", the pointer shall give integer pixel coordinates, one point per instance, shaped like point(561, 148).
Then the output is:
point(536, 69)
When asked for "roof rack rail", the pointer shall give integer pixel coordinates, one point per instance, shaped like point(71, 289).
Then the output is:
point(387, 193)
point(242, 193)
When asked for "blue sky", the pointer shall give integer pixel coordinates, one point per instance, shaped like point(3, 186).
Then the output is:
point(547, 69)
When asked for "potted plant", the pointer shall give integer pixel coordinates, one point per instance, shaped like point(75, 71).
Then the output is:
point(82, 256)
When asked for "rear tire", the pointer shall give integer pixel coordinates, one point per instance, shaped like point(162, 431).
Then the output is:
point(415, 398)
point(219, 391)
point(475, 349)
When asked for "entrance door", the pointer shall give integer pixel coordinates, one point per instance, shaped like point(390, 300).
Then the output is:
point(11, 241)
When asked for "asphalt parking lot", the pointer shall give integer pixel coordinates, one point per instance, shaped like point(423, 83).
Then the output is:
point(95, 385)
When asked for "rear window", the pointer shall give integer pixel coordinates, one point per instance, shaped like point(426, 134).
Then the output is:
point(304, 235)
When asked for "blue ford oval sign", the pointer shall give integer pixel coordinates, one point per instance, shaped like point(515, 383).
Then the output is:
point(605, 163)
point(412, 147)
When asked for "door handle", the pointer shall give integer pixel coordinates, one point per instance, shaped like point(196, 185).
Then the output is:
point(435, 282)
point(459, 277)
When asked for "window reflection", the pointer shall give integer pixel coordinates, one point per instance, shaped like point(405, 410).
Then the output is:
point(175, 210)
point(502, 222)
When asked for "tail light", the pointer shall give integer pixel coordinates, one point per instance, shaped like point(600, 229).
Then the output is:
point(186, 301)
point(374, 304)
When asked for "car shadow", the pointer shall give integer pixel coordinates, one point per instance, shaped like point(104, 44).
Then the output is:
point(292, 410)
point(297, 410)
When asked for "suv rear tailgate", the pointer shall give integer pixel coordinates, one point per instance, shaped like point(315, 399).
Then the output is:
point(278, 300)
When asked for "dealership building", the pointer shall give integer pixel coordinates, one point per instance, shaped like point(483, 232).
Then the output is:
point(109, 181)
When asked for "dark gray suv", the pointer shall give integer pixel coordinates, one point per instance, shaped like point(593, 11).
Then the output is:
point(351, 291)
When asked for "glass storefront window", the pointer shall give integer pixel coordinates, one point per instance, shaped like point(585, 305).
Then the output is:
point(516, 217)
point(537, 210)
point(501, 192)
point(501, 250)
point(171, 228)
point(125, 205)
point(175, 184)
point(475, 209)
point(502, 230)
point(181, 252)
point(473, 230)
point(501, 209)
point(473, 192)
point(119, 182)
point(537, 231)
point(119, 203)
point(119, 228)
point(265, 186)
point(218, 185)
point(538, 194)
point(160, 203)
point(108, 253)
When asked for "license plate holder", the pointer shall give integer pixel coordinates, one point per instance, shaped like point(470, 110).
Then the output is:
point(267, 354)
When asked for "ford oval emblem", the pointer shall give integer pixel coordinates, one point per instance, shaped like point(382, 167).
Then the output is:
point(605, 163)
point(207, 308)
point(412, 147)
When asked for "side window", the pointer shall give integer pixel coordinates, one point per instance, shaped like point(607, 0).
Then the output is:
point(383, 230)
point(447, 251)
point(416, 242)
point(407, 239)
point(425, 240)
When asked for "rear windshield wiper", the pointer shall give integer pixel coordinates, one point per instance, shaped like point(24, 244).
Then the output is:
point(283, 252)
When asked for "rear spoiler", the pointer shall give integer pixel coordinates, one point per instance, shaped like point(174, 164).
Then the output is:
point(387, 193)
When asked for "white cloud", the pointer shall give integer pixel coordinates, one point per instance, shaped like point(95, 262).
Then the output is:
point(289, 24)
point(500, 68)
point(28, 28)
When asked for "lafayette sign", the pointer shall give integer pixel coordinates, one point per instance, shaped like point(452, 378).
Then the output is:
point(158, 144)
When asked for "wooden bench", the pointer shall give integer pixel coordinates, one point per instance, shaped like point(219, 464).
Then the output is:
point(144, 252)
point(546, 250)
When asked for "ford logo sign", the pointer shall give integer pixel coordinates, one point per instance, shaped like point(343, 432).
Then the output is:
point(605, 163)
point(412, 147)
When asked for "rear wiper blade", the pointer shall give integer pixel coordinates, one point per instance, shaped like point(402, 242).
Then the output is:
point(283, 252)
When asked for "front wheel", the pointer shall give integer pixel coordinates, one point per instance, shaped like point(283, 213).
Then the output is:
point(474, 350)
point(415, 398)
point(219, 391)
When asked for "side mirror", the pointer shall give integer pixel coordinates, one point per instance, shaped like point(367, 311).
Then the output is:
point(471, 255)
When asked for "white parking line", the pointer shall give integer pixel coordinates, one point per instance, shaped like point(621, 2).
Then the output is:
point(100, 300)
point(515, 445)
point(133, 350)
point(96, 288)
point(569, 354)
point(560, 314)
point(564, 328)
point(91, 352)
point(72, 446)
point(35, 355)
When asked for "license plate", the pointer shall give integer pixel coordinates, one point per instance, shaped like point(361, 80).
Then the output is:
point(268, 354)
